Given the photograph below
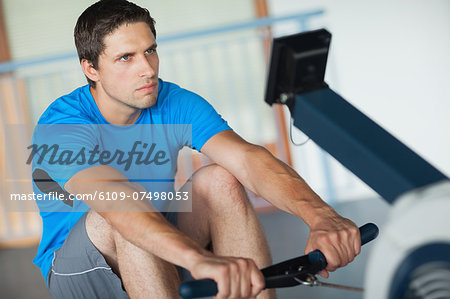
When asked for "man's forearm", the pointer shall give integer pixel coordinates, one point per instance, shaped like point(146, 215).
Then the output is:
point(278, 183)
point(138, 222)
point(153, 233)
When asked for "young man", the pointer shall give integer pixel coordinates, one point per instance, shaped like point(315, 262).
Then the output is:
point(93, 249)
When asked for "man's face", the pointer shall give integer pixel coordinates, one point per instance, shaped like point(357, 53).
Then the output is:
point(128, 68)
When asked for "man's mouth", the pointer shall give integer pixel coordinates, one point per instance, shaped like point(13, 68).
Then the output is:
point(148, 87)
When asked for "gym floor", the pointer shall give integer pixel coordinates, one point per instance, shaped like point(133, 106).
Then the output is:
point(286, 234)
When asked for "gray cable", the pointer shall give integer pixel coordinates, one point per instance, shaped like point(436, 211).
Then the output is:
point(290, 135)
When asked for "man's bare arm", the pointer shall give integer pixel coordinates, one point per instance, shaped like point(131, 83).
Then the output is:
point(259, 171)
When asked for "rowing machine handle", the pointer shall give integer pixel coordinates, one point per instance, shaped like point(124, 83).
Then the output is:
point(208, 287)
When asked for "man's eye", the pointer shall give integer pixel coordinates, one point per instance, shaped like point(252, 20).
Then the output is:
point(150, 51)
point(125, 57)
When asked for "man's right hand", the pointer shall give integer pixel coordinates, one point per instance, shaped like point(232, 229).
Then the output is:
point(235, 277)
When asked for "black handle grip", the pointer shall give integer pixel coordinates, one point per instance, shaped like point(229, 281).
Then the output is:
point(368, 232)
point(198, 288)
point(208, 287)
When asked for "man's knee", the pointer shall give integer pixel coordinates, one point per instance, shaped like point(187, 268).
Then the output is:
point(214, 182)
point(214, 177)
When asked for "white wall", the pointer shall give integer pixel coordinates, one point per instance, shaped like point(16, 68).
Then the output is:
point(45, 27)
point(391, 60)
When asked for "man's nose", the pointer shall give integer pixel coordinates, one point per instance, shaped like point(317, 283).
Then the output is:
point(147, 68)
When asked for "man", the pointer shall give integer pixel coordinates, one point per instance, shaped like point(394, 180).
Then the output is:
point(107, 249)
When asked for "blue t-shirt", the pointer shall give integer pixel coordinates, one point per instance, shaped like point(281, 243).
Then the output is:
point(71, 122)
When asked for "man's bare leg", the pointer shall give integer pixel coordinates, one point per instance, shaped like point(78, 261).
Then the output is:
point(223, 214)
point(143, 274)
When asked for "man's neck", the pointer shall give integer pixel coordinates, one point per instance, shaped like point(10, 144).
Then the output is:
point(113, 111)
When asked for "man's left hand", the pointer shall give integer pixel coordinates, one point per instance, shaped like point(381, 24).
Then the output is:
point(337, 238)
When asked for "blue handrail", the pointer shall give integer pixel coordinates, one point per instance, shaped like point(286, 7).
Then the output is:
point(301, 17)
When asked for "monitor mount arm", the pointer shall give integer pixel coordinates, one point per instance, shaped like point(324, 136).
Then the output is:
point(296, 79)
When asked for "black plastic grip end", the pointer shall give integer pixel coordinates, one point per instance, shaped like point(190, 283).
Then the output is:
point(369, 232)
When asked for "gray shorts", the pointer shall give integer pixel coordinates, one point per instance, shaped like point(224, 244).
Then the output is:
point(79, 270)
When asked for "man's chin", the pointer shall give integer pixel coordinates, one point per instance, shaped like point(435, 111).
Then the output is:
point(144, 104)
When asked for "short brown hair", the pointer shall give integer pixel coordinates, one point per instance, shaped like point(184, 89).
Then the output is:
point(101, 19)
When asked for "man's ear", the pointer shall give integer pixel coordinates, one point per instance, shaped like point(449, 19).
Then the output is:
point(89, 70)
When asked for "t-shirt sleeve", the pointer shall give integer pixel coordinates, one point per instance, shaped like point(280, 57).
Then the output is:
point(205, 121)
point(62, 150)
